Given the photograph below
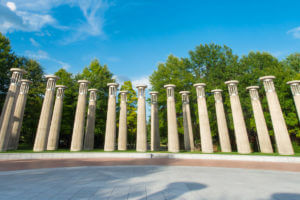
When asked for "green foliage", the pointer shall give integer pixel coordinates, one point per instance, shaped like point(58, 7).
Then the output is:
point(131, 112)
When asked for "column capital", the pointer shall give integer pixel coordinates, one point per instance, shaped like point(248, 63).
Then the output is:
point(253, 92)
point(217, 95)
point(60, 91)
point(83, 85)
point(153, 95)
point(113, 88)
point(93, 94)
point(51, 81)
point(170, 90)
point(24, 86)
point(123, 94)
point(295, 87)
point(16, 76)
point(200, 89)
point(232, 87)
point(185, 96)
point(141, 90)
point(268, 83)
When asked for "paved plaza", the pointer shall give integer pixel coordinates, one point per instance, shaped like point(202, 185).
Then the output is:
point(149, 182)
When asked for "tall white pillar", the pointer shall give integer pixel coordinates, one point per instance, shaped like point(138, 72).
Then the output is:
point(141, 135)
point(78, 129)
point(110, 132)
point(205, 133)
point(221, 121)
point(260, 122)
point(295, 88)
point(155, 138)
point(90, 122)
point(284, 144)
point(187, 122)
point(41, 137)
point(173, 140)
point(9, 106)
point(122, 137)
point(240, 131)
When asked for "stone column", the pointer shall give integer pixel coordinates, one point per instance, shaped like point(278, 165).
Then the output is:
point(240, 131)
point(265, 144)
point(173, 140)
point(187, 122)
point(221, 121)
point(53, 138)
point(110, 132)
point(141, 132)
point(16, 125)
point(284, 144)
point(41, 137)
point(78, 129)
point(295, 88)
point(9, 106)
point(90, 123)
point(122, 140)
point(155, 138)
point(205, 134)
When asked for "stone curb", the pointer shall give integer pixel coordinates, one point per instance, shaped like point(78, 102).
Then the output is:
point(20, 156)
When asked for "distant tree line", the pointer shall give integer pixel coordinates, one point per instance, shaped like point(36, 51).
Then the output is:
point(212, 64)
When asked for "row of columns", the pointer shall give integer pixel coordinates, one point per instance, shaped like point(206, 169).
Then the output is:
point(49, 124)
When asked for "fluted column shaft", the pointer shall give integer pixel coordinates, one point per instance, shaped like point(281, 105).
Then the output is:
point(187, 122)
point(295, 88)
point(240, 131)
point(264, 140)
point(141, 135)
point(52, 143)
point(284, 144)
point(155, 138)
point(78, 129)
point(41, 137)
point(90, 123)
point(110, 132)
point(122, 139)
point(221, 121)
point(205, 133)
point(9, 106)
point(18, 116)
point(173, 139)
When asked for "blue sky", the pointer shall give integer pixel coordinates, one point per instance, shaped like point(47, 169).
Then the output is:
point(132, 37)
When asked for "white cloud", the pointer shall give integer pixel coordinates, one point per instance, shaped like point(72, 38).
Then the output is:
point(144, 80)
point(295, 32)
point(34, 43)
point(33, 15)
point(11, 6)
point(42, 55)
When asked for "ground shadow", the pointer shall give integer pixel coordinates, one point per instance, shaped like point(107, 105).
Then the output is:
point(285, 196)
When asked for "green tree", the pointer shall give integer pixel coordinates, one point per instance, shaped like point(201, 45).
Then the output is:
point(131, 112)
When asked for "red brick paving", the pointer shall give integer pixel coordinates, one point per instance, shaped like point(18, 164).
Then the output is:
point(10, 165)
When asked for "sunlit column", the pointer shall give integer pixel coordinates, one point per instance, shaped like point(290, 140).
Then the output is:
point(9, 106)
point(205, 133)
point(187, 122)
point(90, 122)
point(295, 88)
point(221, 121)
point(155, 137)
point(173, 140)
point(260, 122)
point(284, 144)
point(41, 137)
point(78, 129)
point(110, 132)
point(18, 115)
point(141, 135)
point(52, 143)
point(240, 131)
point(122, 138)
